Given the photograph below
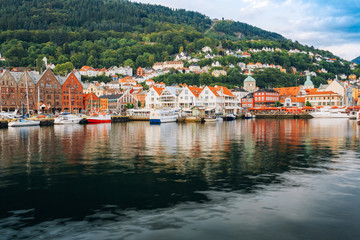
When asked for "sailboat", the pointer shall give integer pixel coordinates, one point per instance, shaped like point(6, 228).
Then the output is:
point(67, 117)
point(22, 121)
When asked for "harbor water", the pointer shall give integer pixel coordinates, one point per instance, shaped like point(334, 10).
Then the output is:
point(245, 179)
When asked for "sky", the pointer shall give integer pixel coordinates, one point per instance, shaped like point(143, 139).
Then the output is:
point(332, 25)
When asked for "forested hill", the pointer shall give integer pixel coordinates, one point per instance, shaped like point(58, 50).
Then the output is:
point(356, 60)
point(116, 15)
point(104, 15)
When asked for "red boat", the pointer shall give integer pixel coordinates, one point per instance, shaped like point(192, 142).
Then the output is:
point(99, 119)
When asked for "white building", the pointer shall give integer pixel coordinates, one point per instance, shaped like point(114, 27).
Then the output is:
point(189, 97)
point(152, 97)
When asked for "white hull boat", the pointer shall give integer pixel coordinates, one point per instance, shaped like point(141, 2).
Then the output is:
point(67, 119)
point(163, 116)
point(24, 123)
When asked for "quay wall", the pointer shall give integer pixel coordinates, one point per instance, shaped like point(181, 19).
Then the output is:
point(283, 116)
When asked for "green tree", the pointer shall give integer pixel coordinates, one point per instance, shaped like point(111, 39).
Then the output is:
point(91, 61)
point(308, 104)
point(64, 68)
point(278, 104)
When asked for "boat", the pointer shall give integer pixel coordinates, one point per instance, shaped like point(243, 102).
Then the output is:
point(219, 119)
point(352, 115)
point(210, 119)
point(163, 116)
point(24, 123)
point(230, 117)
point(67, 118)
point(329, 113)
point(358, 118)
point(249, 116)
point(96, 118)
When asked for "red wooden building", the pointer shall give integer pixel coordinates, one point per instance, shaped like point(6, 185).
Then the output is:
point(265, 97)
point(72, 90)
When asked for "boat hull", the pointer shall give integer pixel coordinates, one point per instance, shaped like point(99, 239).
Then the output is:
point(93, 120)
point(24, 124)
point(67, 121)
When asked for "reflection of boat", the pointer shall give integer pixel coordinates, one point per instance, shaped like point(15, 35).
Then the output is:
point(249, 116)
point(358, 118)
point(163, 116)
point(24, 123)
point(352, 115)
point(67, 118)
point(329, 113)
point(99, 119)
point(230, 117)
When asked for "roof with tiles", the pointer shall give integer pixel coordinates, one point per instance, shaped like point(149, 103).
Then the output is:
point(293, 91)
point(213, 90)
point(225, 90)
point(195, 90)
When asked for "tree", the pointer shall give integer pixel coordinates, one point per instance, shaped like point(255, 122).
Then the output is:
point(91, 61)
point(139, 104)
point(278, 104)
point(64, 68)
point(308, 104)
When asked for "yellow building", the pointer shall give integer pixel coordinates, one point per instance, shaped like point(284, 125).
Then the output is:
point(323, 98)
point(104, 104)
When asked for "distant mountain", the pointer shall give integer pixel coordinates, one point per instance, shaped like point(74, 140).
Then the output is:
point(356, 60)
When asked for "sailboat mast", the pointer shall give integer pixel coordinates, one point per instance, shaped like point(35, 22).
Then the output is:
point(27, 93)
point(38, 101)
point(70, 99)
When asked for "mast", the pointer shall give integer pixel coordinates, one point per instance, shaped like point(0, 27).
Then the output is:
point(27, 93)
point(70, 99)
point(38, 101)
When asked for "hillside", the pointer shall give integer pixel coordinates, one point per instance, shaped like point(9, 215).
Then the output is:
point(104, 33)
point(356, 60)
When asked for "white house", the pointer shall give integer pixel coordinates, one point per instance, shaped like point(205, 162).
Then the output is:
point(206, 49)
point(189, 97)
point(152, 97)
point(169, 97)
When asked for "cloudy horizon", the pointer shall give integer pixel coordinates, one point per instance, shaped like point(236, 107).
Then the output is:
point(325, 24)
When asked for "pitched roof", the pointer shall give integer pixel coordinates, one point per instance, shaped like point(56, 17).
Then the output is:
point(195, 90)
point(158, 90)
point(225, 90)
point(293, 91)
point(323, 93)
point(213, 90)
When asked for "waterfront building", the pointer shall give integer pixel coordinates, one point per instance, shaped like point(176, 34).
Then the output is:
point(265, 97)
point(169, 97)
point(248, 101)
point(109, 102)
point(126, 98)
point(49, 87)
point(218, 99)
point(324, 98)
point(72, 90)
point(152, 97)
point(189, 97)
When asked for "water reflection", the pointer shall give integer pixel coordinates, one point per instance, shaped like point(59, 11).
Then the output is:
point(61, 176)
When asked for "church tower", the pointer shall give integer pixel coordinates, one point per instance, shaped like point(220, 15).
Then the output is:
point(250, 83)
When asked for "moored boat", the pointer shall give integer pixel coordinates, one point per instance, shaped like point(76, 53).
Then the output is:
point(24, 123)
point(329, 113)
point(163, 116)
point(249, 116)
point(210, 119)
point(99, 119)
point(230, 117)
point(67, 118)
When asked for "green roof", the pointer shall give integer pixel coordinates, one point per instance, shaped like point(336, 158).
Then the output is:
point(250, 79)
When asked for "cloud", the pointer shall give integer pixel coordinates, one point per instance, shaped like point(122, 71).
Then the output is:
point(329, 24)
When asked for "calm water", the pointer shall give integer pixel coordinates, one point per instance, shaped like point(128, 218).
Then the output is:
point(247, 179)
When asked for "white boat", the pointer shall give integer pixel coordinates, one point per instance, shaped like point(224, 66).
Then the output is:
point(249, 116)
point(163, 116)
point(219, 119)
point(24, 123)
point(230, 117)
point(329, 113)
point(210, 119)
point(67, 118)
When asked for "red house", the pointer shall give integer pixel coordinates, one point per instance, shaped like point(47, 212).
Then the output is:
point(72, 91)
point(266, 97)
point(248, 101)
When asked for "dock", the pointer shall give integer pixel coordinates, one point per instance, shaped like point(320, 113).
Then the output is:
point(118, 119)
point(139, 118)
point(47, 122)
point(283, 116)
point(4, 124)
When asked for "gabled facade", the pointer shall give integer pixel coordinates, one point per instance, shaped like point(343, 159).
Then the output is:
point(189, 97)
point(9, 95)
point(92, 88)
point(126, 98)
point(152, 97)
point(169, 97)
point(72, 90)
point(91, 103)
point(50, 91)
point(26, 86)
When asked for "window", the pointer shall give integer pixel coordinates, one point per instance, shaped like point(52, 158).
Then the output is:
point(186, 91)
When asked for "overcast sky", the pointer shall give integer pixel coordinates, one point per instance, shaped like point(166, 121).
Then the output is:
point(326, 24)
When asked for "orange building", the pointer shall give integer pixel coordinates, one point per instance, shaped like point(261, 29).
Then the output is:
point(104, 104)
point(72, 94)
